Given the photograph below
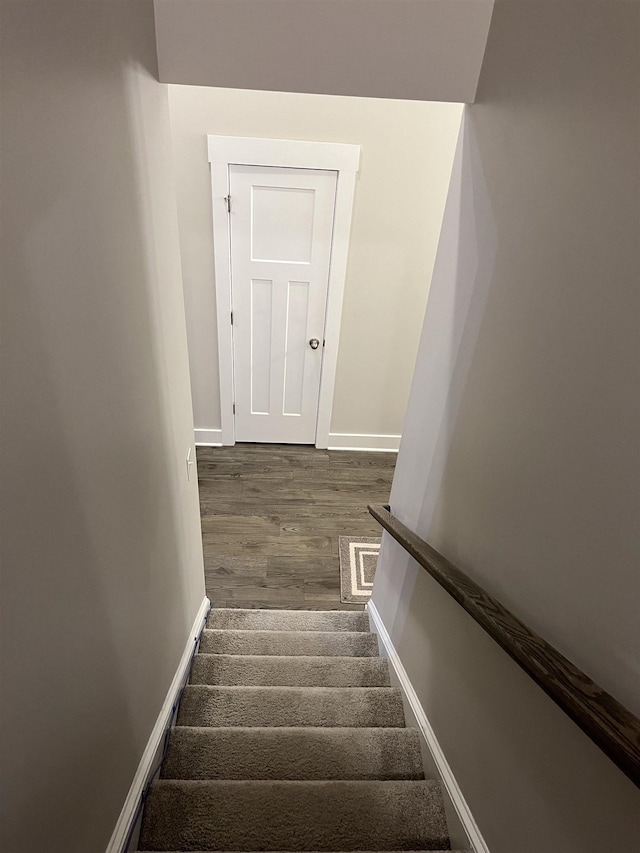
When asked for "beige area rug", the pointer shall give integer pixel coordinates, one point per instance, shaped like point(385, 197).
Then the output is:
point(358, 561)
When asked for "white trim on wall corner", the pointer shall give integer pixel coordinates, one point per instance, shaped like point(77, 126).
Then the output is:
point(208, 437)
point(152, 750)
point(463, 811)
point(357, 441)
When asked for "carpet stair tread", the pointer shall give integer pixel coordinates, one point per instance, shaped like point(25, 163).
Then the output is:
point(204, 705)
point(293, 753)
point(289, 738)
point(294, 815)
point(290, 670)
point(288, 620)
point(259, 642)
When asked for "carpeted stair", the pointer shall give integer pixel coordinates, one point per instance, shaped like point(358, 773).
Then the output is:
point(289, 738)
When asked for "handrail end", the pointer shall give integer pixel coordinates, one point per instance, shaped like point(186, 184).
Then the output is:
point(374, 509)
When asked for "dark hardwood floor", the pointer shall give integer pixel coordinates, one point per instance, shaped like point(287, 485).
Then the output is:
point(271, 517)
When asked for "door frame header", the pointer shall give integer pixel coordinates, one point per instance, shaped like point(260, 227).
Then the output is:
point(343, 158)
point(289, 153)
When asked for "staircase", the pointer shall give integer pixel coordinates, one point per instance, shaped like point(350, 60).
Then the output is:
point(289, 738)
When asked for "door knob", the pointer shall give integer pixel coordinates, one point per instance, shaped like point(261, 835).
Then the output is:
point(314, 343)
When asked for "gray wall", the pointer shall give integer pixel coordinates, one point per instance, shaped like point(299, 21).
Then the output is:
point(519, 458)
point(101, 554)
point(426, 50)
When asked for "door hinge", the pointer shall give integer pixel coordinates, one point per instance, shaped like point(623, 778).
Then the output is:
point(232, 318)
point(227, 198)
point(234, 408)
point(323, 342)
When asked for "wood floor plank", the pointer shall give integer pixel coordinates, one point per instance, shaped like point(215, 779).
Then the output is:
point(216, 582)
point(347, 494)
point(239, 525)
point(270, 545)
point(302, 565)
point(281, 510)
point(288, 594)
point(358, 459)
point(318, 588)
point(271, 454)
point(236, 470)
point(331, 526)
point(232, 565)
point(226, 488)
point(271, 517)
point(334, 474)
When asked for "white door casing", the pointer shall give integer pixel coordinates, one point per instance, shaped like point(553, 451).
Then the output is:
point(281, 231)
point(226, 152)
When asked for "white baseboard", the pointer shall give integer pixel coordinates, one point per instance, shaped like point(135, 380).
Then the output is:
point(154, 744)
point(463, 811)
point(208, 437)
point(337, 440)
point(357, 441)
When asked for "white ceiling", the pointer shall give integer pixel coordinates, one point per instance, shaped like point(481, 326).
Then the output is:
point(410, 49)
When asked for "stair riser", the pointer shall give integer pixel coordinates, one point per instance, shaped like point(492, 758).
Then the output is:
point(288, 620)
point(294, 816)
point(303, 754)
point(290, 706)
point(288, 643)
point(304, 671)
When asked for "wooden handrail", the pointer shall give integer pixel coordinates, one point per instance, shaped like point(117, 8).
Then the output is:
point(608, 723)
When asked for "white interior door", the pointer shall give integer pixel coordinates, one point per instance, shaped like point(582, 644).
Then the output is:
point(281, 226)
